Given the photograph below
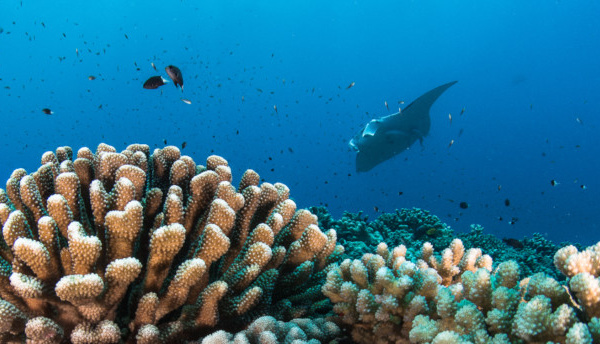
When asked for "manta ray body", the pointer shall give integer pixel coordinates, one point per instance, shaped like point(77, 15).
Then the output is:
point(386, 137)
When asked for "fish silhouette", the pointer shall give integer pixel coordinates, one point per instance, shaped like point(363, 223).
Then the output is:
point(154, 82)
point(385, 137)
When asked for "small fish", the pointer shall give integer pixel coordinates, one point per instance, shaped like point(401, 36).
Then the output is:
point(451, 143)
point(275, 108)
point(579, 120)
point(507, 202)
point(462, 111)
point(187, 101)
point(47, 111)
point(554, 182)
point(126, 36)
point(513, 220)
point(155, 82)
point(183, 145)
point(351, 85)
point(91, 77)
point(450, 117)
point(64, 35)
point(401, 102)
point(44, 25)
point(153, 65)
point(583, 187)
point(513, 243)
point(243, 99)
point(499, 187)
point(386, 105)
point(165, 141)
point(77, 52)
point(463, 205)
point(175, 75)
point(376, 209)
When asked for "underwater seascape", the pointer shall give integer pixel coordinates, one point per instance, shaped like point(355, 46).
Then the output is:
point(242, 175)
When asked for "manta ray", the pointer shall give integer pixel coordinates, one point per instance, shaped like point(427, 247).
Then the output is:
point(386, 137)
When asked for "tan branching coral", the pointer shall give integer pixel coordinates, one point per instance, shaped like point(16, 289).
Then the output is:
point(456, 297)
point(111, 247)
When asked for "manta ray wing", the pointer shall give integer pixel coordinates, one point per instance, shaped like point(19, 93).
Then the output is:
point(391, 135)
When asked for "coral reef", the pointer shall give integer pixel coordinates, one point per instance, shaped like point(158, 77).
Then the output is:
point(455, 297)
point(134, 247)
point(151, 248)
point(413, 227)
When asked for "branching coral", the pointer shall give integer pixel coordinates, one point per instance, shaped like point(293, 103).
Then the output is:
point(152, 248)
point(455, 297)
point(583, 270)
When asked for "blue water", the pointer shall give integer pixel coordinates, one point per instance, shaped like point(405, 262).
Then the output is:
point(526, 72)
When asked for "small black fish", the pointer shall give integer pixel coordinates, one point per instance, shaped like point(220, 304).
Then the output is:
point(554, 182)
point(47, 111)
point(515, 243)
point(175, 75)
point(507, 202)
point(154, 82)
point(183, 145)
point(463, 205)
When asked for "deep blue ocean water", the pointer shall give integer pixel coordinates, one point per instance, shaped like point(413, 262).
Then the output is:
point(528, 72)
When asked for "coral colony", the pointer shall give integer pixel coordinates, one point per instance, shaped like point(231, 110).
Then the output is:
point(141, 247)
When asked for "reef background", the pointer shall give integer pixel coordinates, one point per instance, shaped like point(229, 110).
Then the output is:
point(526, 73)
